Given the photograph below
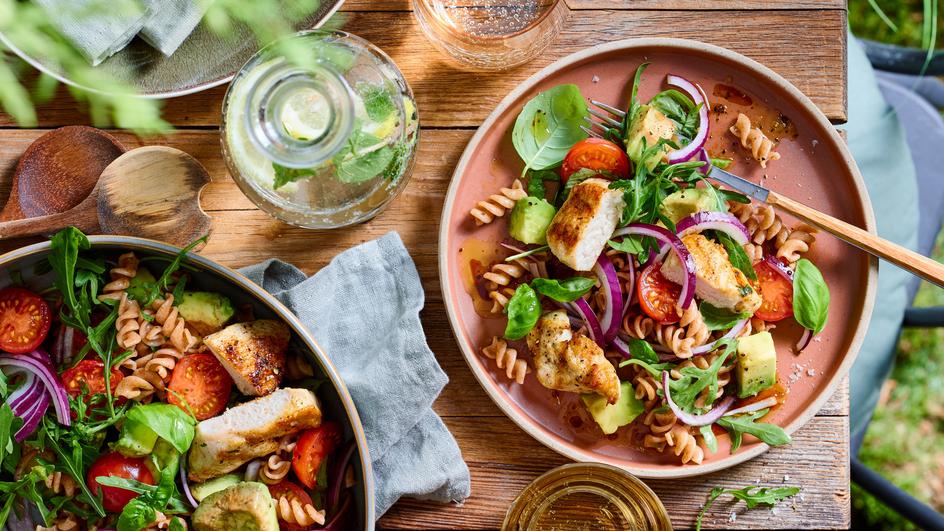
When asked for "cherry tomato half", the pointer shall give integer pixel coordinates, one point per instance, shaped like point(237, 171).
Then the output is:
point(658, 295)
point(24, 320)
point(90, 374)
point(776, 291)
point(114, 499)
point(201, 381)
point(292, 492)
point(595, 154)
point(311, 449)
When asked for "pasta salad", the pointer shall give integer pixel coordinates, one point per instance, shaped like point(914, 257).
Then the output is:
point(628, 278)
point(133, 400)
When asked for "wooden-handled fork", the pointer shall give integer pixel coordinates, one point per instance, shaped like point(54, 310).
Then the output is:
point(915, 263)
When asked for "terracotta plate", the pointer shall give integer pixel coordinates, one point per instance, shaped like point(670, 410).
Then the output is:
point(815, 168)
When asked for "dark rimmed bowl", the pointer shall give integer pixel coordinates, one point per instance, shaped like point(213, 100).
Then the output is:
point(337, 405)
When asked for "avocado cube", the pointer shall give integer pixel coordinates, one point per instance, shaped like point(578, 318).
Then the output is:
point(530, 219)
point(756, 364)
point(205, 312)
point(202, 490)
point(684, 203)
point(136, 439)
point(645, 131)
point(611, 416)
point(245, 505)
point(139, 284)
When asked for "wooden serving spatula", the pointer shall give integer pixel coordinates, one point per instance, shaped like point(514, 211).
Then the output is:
point(151, 192)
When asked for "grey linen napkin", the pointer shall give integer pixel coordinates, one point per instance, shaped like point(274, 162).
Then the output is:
point(96, 30)
point(363, 309)
point(173, 21)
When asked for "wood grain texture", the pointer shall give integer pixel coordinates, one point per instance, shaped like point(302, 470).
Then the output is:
point(449, 97)
point(663, 5)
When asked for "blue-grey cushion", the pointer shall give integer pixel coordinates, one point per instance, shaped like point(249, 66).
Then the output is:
point(877, 141)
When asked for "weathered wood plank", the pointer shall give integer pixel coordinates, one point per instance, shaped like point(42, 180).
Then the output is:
point(449, 97)
point(665, 5)
point(817, 460)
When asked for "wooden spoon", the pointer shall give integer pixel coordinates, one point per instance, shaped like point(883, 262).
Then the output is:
point(152, 192)
point(58, 170)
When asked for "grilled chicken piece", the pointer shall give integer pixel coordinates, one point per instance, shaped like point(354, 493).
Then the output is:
point(580, 229)
point(570, 363)
point(253, 353)
point(717, 282)
point(222, 444)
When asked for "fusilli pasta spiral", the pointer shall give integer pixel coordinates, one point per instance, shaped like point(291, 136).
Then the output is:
point(752, 138)
point(507, 358)
point(797, 243)
point(292, 511)
point(496, 205)
point(64, 521)
point(121, 275)
point(277, 466)
point(127, 323)
point(172, 325)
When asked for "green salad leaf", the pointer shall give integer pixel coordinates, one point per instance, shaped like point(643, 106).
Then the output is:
point(738, 425)
point(680, 109)
point(736, 254)
point(536, 180)
point(751, 495)
point(719, 318)
point(711, 442)
point(524, 310)
point(567, 290)
point(631, 244)
point(548, 126)
point(693, 381)
point(576, 178)
point(810, 296)
point(168, 421)
point(641, 350)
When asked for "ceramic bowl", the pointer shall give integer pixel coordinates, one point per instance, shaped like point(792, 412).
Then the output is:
point(816, 168)
point(335, 400)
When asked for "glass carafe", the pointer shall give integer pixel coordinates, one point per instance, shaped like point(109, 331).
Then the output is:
point(324, 140)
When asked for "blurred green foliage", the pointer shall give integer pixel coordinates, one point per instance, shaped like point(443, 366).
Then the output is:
point(899, 22)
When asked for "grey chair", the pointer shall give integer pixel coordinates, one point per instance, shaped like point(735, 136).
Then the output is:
point(924, 129)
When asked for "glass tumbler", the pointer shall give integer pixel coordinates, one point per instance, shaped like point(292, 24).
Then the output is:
point(324, 140)
point(491, 34)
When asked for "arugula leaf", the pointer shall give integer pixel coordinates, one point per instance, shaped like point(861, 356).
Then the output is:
point(719, 318)
point(548, 126)
point(640, 349)
point(634, 106)
point(738, 425)
point(737, 197)
point(709, 437)
point(63, 256)
point(6, 431)
point(631, 244)
point(536, 180)
point(655, 369)
point(168, 421)
point(72, 462)
point(810, 296)
point(576, 178)
point(524, 310)
point(285, 175)
point(693, 381)
point(567, 290)
point(737, 255)
point(163, 282)
point(751, 495)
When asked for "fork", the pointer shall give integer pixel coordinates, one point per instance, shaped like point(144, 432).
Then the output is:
point(905, 258)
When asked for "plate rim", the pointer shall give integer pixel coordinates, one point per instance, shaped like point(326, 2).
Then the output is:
point(158, 95)
point(533, 428)
point(256, 291)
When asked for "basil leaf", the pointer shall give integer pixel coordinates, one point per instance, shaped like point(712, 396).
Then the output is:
point(708, 435)
point(567, 290)
point(737, 255)
point(680, 109)
point(642, 350)
point(549, 125)
point(136, 515)
point(810, 296)
point(630, 244)
point(536, 180)
point(738, 425)
point(524, 310)
point(719, 318)
point(169, 422)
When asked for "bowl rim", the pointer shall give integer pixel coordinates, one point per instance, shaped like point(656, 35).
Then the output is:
point(145, 244)
point(532, 427)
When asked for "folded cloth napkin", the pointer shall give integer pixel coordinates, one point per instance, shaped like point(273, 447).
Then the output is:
point(97, 29)
point(173, 21)
point(363, 310)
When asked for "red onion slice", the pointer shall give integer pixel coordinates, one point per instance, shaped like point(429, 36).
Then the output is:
point(630, 285)
point(25, 395)
point(704, 157)
point(590, 319)
point(709, 220)
point(32, 417)
point(696, 94)
point(665, 236)
point(38, 363)
point(609, 282)
point(711, 347)
point(185, 483)
point(779, 267)
point(695, 420)
point(752, 407)
point(805, 340)
point(620, 346)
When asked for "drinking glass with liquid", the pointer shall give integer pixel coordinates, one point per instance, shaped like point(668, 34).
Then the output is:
point(491, 34)
point(324, 140)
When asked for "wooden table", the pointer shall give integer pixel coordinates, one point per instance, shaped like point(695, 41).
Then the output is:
point(804, 40)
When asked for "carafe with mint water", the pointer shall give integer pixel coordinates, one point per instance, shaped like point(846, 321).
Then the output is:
point(320, 130)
